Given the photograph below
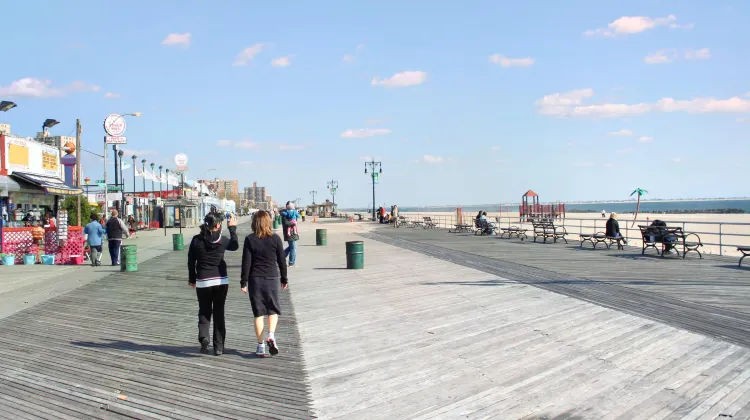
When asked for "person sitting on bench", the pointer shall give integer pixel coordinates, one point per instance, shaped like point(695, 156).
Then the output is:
point(613, 228)
point(665, 239)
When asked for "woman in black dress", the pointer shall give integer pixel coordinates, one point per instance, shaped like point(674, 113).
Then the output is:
point(263, 271)
point(208, 276)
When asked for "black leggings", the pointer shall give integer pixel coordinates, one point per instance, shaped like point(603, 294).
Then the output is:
point(211, 302)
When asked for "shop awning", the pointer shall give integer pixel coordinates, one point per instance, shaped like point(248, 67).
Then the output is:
point(8, 185)
point(50, 184)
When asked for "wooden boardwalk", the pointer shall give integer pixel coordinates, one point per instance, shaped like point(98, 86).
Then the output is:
point(126, 346)
point(709, 296)
point(417, 337)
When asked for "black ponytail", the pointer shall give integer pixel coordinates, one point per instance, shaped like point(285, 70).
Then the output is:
point(211, 220)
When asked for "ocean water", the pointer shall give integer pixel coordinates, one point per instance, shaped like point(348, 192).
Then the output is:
point(646, 207)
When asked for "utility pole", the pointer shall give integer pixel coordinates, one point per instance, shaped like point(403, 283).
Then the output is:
point(78, 168)
point(313, 194)
point(332, 186)
point(374, 173)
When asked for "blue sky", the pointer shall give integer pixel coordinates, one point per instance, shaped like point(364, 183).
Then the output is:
point(463, 102)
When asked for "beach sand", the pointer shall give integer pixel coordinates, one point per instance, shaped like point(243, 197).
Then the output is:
point(729, 230)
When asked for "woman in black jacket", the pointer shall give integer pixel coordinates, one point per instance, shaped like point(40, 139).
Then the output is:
point(208, 275)
point(263, 269)
point(613, 228)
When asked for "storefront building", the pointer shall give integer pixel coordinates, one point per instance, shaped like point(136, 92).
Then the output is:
point(31, 183)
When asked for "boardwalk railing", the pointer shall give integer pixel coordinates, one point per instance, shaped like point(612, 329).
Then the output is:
point(720, 238)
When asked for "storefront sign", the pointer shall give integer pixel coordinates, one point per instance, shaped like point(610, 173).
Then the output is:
point(110, 197)
point(27, 155)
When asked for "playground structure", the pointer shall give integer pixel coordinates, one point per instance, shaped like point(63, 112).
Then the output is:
point(532, 210)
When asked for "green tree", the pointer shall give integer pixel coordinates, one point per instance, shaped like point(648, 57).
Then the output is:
point(71, 205)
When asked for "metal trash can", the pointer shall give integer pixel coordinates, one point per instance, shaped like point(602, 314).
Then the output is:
point(178, 243)
point(128, 258)
point(321, 237)
point(355, 255)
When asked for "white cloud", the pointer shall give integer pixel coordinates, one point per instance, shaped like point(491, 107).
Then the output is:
point(609, 165)
point(403, 79)
point(178, 40)
point(245, 144)
point(677, 159)
point(248, 54)
point(628, 25)
point(701, 54)
point(111, 95)
point(349, 58)
point(289, 147)
point(282, 61)
point(495, 147)
point(432, 159)
point(560, 103)
point(645, 139)
point(139, 153)
point(360, 133)
point(570, 104)
point(623, 151)
point(36, 88)
point(660, 57)
point(743, 119)
point(504, 61)
point(622, 132)
point(224, 143)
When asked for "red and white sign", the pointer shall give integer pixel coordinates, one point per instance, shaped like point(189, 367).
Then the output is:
point(114, 125)
point(181, 160)
point(115, 140)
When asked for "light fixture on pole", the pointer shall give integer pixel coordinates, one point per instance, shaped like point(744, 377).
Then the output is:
point(134, 157)
point(6, 106)
point(48, 123)
point(122, 181)
point(374, 166)
point(313, 195)
point(114, 148)
point(332, 186)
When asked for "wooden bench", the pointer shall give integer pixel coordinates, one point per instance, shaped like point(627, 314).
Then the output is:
point(601, 237)
point(745, 252)
point(514, 230)
point(429, 224)
point(669, 238)
point(548, 230)
point(461, 228)
point(483, 227)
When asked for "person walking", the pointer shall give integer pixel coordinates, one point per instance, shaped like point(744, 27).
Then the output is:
point(263, 270)
point(116, 231)
point(94, 232)
point(287, 216)
point(395, 216)
point(207, 274)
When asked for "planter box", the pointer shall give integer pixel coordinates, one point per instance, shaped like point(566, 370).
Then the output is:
point(29, 259)
point(48, 259)
point(9, 260)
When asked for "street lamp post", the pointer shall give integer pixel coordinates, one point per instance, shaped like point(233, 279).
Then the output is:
point(203, 200)
point(118, 169)
point(135, 214)
point(313, 195)
point(163, 213)
point(114, 147)
point(332, 186)
point(374, 167)
point(6, 106)
point(164, 206)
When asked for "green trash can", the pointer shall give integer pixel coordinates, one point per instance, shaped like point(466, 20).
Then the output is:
point(128, 258)
point(321, 237)
point(355, 255)
point(275, 224)
point(178, 243)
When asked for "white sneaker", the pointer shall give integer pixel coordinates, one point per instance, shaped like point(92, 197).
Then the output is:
point(261, 351)
point(272, 347)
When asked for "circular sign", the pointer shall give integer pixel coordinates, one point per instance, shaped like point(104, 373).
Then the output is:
point(181, 159)
point(114, 125)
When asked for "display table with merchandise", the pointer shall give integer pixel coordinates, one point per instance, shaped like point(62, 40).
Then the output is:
point(19, 241)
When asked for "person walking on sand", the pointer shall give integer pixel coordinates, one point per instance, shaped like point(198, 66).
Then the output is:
point(116, 232)
point(207, 274)
point(94, 233)
point(263, 270)
point(287, 217)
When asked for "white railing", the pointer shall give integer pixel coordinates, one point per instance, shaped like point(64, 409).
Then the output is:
point(720, 238)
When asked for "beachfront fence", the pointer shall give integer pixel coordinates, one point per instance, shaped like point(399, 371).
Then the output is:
point(719, 238)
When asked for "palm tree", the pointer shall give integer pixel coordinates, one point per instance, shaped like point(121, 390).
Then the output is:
point(640, 192)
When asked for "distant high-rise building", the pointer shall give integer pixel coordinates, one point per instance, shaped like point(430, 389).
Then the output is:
point(223, 188)
point(54, 141)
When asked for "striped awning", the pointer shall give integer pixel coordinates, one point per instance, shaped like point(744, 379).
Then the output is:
point(50, 184)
